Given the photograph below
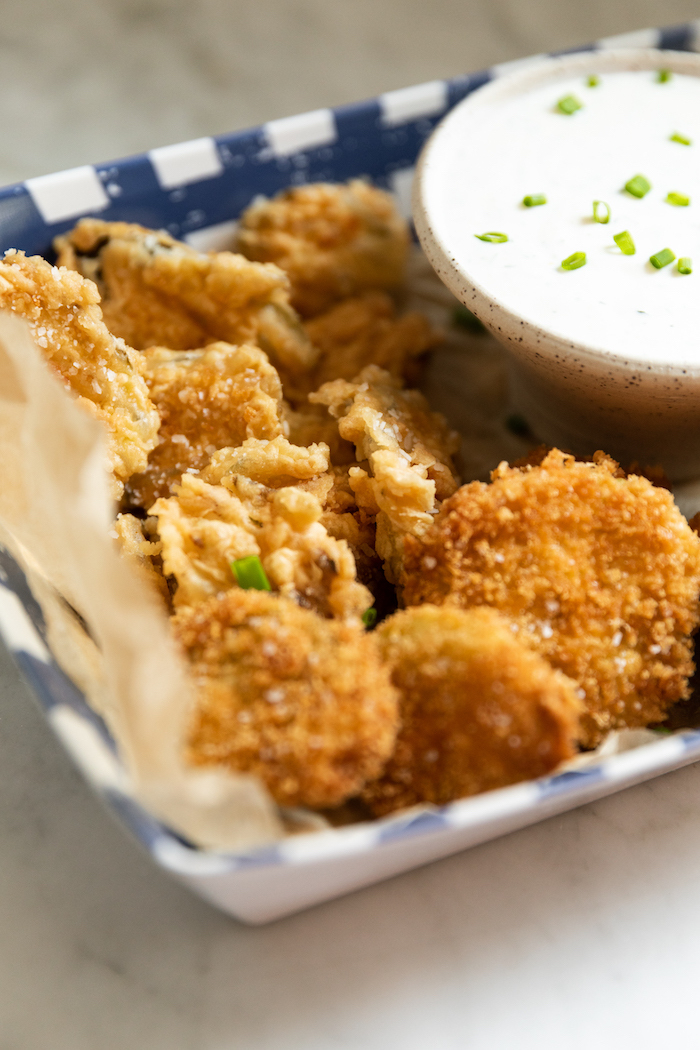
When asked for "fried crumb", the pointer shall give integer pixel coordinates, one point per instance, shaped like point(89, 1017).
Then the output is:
point(332, 240)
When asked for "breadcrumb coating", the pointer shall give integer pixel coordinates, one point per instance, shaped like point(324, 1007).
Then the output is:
point(600, 574)
point(304, 703)
point(478, 709)
point(63, 313)
point(157, 291)
point(408, 451)
point(208, 399)
point(204, 528)
point(332, 240)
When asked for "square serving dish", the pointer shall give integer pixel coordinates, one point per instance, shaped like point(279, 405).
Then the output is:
point(195, 190)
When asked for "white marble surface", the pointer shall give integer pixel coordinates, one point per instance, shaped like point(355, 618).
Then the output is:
point(583, 931)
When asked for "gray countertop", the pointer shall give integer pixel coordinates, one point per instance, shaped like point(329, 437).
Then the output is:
point(583, 930)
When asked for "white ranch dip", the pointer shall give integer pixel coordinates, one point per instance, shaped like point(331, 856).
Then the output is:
point(523, 145)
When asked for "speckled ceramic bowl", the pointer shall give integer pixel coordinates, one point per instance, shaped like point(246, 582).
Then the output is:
point(578, 393)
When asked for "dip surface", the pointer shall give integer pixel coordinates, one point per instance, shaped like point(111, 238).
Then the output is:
point(484, 162)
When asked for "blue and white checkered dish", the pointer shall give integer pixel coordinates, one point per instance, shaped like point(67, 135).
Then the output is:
point(196, 190)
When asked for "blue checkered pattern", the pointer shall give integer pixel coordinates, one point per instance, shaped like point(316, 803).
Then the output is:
point(191, 187)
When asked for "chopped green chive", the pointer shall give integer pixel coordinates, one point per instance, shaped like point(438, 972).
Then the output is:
point(569, 104)
point(679, 199)
point(492, 237)
point(663, 76)
point(598, 214)
point(250, 574)
point(466, 319)
point(533, 199)
point(638, 186)
point(685, 264)
point(662, 258)
point(593, 80)
point(517, 424)
point(683, 139)
point(369, 618)
point(573, 262)
point(624, 242)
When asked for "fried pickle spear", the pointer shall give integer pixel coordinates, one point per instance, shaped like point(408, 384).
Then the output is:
point(478, 709)
point(408, 451)
point(304, 703)
point(333, 240)
point(205, 527)
point(157, 291)
point(600, 573)
point(207, 399)
point(63, 313)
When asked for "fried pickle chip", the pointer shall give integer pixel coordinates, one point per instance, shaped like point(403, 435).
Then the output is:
point(204, 528)
point(157, 291)
point(600, 573)
point(207, 399)
point(304, 703)
point(63, 313)
point(408, 450)
point(365, 331)
point(333, 240)
point(478, 709)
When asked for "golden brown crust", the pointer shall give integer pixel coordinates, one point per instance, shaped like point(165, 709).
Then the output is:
point(332, 240)
point(478, 709)
point(157, 291)
point(304, 703)
point(406, 448)
point(63, 313)
point(600, 573)
point(207, 399)
point(366, 330)
point(204, 528)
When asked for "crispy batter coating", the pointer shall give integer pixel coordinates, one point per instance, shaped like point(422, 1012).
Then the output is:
point(63, 312)
point(304, 703)
point(275, 463)
point(366, 331)
point(141, 551)
point(478, 709)
point(333, 240)
point(207, 399)
point(157, 291)
point(600, 573)
point(407, 449)
point(310, 424)
point(205, 527)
